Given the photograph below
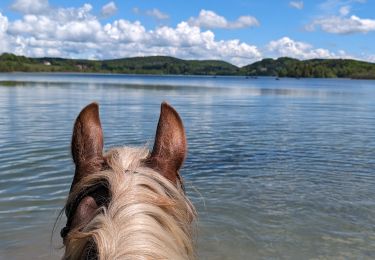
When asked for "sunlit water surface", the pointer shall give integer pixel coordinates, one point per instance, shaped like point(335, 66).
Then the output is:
point(277, 169)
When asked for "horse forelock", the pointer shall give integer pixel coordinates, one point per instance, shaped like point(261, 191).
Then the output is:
point(147, 216)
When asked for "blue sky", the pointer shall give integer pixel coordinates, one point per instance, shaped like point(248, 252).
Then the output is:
point(238, 31)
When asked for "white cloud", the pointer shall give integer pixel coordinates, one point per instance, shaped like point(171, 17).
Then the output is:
point(30, 6)
point(3, 23)
point(3, 35)
point(209, 19)
point(190, 42)
point(66, 24)
point(286, 47)
point(338, 7)
point(296, 4)
point(336, 19)
point(344, 10)
point(109, 9)
point(370, 58)
point(343, 25)
point(77, 33)
point(156, 13)
point(124, 31)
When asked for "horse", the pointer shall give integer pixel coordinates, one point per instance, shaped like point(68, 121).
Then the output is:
point(128, 203)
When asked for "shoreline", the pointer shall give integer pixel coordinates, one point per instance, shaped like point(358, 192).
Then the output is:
point(250, 78)
point(167, 65)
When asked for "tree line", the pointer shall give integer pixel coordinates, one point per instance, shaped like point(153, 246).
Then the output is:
point(164, 65)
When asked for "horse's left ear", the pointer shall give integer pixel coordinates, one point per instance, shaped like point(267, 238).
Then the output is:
point(170, 147)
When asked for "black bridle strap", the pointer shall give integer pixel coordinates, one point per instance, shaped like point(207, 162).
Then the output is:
point(71, 208)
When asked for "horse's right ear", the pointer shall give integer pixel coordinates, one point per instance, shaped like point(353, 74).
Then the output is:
point(170, 146)
point(87, 142)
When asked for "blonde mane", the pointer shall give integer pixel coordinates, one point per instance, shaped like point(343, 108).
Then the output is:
point(147, 217)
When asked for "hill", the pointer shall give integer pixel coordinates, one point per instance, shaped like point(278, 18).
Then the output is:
point(164, 65)
point(138, 65)
point(315, 68)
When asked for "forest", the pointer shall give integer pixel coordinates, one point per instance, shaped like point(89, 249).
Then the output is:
point(164, 65)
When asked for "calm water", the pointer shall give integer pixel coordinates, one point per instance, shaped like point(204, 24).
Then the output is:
point(277, 169)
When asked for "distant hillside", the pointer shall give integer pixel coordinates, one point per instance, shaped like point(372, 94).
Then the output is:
point(164, 65)
point(138, 65)
point(315, 68)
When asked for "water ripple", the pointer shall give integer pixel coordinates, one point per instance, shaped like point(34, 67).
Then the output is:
point(277, 169)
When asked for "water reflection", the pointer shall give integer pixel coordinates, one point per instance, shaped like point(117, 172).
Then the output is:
point(277, 169)
point(195, 88)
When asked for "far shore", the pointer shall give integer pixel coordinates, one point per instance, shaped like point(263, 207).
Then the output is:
point(12, 82)
point(165, 65)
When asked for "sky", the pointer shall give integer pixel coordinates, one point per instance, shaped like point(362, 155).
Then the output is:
point(238, 31)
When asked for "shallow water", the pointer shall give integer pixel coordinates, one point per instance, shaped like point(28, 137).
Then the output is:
point(277, 169)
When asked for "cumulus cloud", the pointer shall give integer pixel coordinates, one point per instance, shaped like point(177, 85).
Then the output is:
point(156, 13)
point(295, 49)
point(337, 18)
point(65, 24)
point(209, 19)
point(333, 5)
point(344, 10)
point(77, 33)
point(189, 41)
point(343, 25)
point(3, 23)
point(30, 6)
point(124, 31)
point(3, 35)
point(286, 47)
point(296, 4)
point(109, 9)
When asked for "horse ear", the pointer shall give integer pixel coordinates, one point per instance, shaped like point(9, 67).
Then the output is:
point(170, 147)
point(87, 142)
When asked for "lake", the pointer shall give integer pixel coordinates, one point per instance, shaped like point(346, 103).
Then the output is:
point(278, 169)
